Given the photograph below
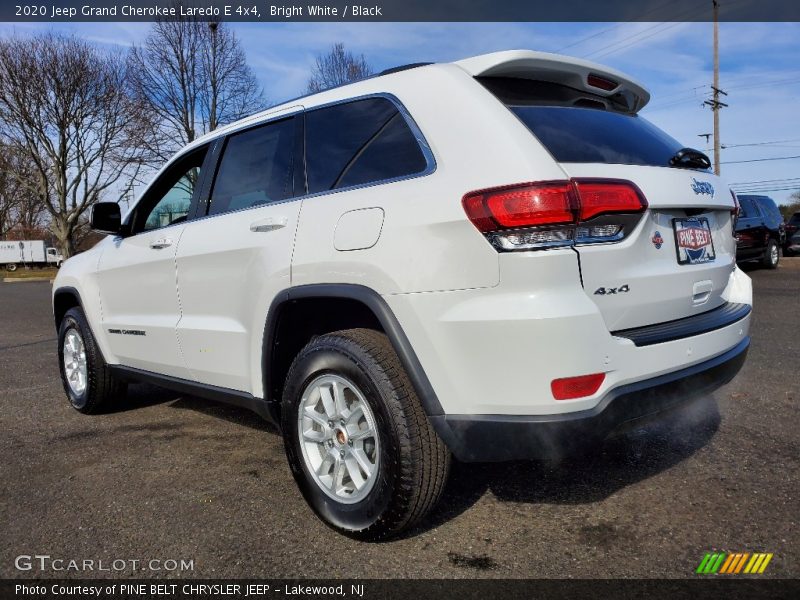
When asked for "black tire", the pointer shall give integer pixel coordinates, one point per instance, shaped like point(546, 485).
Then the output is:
point(102, 388)
point(11, 267)
point(771, 255)
point(413, 464)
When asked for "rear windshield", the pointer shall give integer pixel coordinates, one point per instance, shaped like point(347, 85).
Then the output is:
point(579, 127)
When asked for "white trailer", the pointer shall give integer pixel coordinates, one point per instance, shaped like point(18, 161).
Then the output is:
point(30, 253)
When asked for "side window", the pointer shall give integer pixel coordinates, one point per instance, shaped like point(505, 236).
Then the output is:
point(256, 168)
point(168, 199)
point(769, 208)
point(746, 209)
point(359, 142)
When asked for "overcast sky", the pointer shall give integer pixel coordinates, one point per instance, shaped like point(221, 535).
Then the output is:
point(759, 64)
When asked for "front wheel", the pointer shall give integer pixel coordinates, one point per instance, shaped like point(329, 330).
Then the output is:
point(11, 267)
point(88, 382)
point(359, 444)
point(771, 256)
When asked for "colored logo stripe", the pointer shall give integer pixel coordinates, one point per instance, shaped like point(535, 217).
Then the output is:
point(711, 563)
point(733, 563)
point(758, 563)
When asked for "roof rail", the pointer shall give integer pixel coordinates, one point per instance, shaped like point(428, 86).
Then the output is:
point(404, 68)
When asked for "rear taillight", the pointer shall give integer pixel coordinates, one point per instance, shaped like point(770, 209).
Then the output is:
point(555, 213)
point(581, 386)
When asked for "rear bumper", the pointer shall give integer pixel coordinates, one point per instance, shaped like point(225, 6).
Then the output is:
point(491, 438)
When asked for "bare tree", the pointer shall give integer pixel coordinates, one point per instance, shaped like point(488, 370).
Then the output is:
point(9, 191)
point(64, 107)
point(20, 208)
point(336, 67)
point(193, 77)
point(792, 206)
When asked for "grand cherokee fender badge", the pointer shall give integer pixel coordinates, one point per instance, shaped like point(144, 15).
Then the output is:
point(607, 291)
point(657, 240)
point(702, 187)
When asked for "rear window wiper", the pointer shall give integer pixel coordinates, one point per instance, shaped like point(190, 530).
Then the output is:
point(689, 158)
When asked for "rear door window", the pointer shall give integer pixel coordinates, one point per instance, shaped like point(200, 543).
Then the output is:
point(359, 142)
point(579, 127)
point(256, 168)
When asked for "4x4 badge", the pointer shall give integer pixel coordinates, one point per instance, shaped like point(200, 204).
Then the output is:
point(605, 291)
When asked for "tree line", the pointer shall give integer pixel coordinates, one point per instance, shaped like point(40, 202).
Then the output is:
point(78, 124)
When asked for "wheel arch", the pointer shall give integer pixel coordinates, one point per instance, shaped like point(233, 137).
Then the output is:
point(344, 306)
point(65, 298)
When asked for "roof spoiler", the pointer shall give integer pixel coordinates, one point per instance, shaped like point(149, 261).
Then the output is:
point(556, 68)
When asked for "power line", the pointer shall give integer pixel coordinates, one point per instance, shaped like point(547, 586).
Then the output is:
point(768, 83)
point(768, 180)
point(613, 27)
point(768, 189)
point(733, 162)
point(692, 94)
point(613, 50)
point(768, 186)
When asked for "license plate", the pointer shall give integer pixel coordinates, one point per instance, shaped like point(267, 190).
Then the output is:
point(693, 241)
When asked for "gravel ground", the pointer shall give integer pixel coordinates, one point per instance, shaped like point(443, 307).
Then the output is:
point(171, 477)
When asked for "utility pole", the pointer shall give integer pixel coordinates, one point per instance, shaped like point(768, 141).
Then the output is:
point(715, 103)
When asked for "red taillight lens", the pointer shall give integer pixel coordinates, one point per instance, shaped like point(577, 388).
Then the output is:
point(602, 197)
point(527, 205)
point(570, 388)
point(554, 213)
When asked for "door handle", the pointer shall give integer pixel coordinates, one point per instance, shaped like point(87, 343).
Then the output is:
point(268, 224)
point(162, 243)
point(701, 292)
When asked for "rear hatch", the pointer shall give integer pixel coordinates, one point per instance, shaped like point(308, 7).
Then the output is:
point(673, 258)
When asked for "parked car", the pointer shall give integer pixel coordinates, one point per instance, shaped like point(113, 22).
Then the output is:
point(31, 253)
point(792, 235)
point(495, 259)
point(760, 231)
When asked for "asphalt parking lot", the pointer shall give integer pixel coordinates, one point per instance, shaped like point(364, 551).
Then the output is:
point(170, 477)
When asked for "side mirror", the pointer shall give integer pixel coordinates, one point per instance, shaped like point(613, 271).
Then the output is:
point(106, 217)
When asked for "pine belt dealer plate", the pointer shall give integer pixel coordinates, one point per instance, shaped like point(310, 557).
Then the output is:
point(693, 241)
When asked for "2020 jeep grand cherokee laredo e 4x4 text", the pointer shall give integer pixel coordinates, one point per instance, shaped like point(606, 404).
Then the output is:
point(495, 259)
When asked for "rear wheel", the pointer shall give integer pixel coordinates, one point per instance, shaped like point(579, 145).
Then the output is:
point(358, 442)
point(88, 382)
point(11, 267)
point(771, 255)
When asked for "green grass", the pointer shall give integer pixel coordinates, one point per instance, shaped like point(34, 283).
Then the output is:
point(23, 273)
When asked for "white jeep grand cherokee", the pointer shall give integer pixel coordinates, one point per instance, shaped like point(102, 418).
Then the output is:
point(495, 259)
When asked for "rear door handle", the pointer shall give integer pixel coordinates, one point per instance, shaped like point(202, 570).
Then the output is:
point(162, 243)
point(268, 224)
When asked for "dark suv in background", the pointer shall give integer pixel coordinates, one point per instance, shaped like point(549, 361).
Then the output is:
point(760, 232)
point(792, 245)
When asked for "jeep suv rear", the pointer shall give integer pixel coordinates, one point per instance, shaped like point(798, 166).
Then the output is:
point(491, 259)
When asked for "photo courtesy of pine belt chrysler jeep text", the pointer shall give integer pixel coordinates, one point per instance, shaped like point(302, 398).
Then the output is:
point(492, 259)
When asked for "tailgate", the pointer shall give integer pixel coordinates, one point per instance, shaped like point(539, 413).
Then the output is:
point(667, 268)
